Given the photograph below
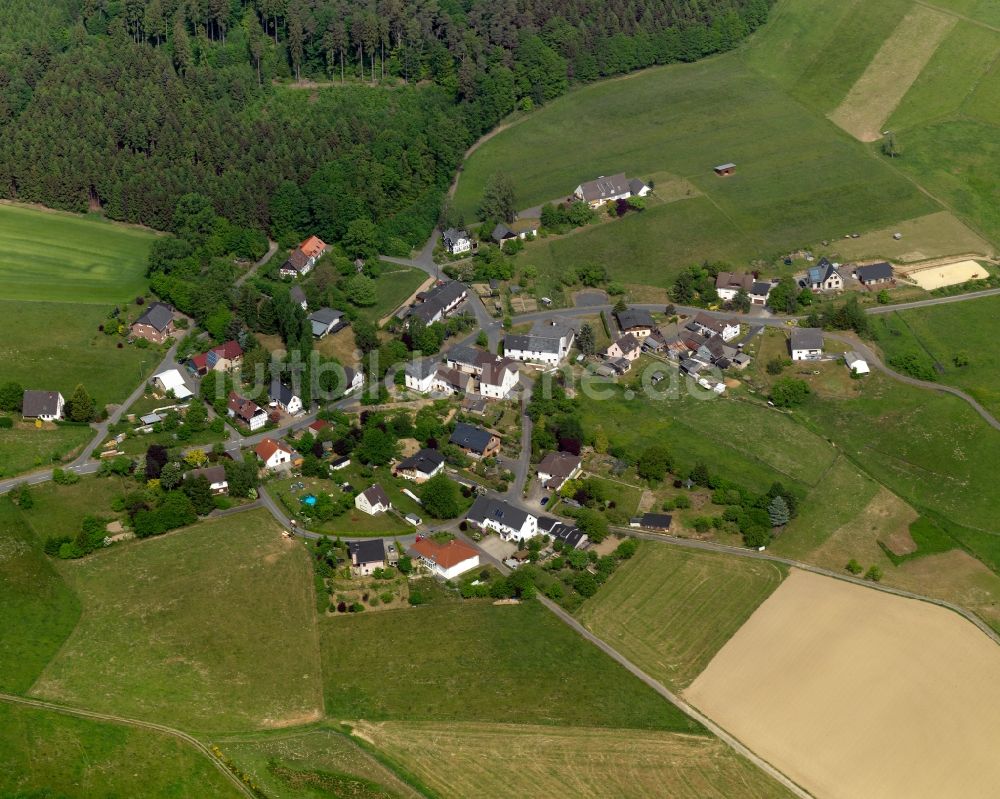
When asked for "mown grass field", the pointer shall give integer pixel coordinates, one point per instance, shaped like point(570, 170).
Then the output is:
point(461, 760)
point(318, 762)
point(392, 287)
point(24, 447)
point(56, 346)
point(208, 628)
point(669, 610)
point(59, 510)
point(475, 661)
point(939, 334)
point(40, 610)
point(57, 257)
point(46, 754)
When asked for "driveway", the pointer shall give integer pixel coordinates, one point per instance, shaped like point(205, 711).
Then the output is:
point(497, 548)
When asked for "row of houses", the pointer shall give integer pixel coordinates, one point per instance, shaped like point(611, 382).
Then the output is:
point(824, 276)
point(436, 303)
point(466, 370)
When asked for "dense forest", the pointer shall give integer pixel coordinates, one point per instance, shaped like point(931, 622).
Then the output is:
point(127, 105)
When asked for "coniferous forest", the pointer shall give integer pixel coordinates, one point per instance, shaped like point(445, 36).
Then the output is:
point(124, 106)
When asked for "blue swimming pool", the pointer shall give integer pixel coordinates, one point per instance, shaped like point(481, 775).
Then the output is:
point(309, 499)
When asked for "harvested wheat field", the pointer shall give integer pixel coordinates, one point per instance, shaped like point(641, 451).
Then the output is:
point(854, 692)
point(540, 762)
point(948, 275)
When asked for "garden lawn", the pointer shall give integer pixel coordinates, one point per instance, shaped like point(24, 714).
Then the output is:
point(392, 288)
point(939, 334)
point(47, 754)
point(207, 628)
point(40, 610)
point(56, 346)
point(669, 610)
point(25, 447)
point(59, 257)
point(475, 661)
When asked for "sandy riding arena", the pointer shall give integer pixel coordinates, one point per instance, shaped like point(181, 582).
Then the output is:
point(853, 692)
point(948, 275)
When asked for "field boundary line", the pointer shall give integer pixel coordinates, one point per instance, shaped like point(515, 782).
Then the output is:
point(952, 13)
point(147, 725)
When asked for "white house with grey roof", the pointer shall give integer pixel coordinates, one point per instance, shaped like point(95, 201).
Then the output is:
point(806, 344)
point(456, 241)
point(603, 190)
point(509, 522)
point(373, 500)
point(284, 397)
point(419, 375)
point(325, 321)
point(436, 303)
point(44, 405)
point(549, 342)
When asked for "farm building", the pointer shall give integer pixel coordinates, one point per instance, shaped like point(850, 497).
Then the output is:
point(172, 380)
point(725, 170)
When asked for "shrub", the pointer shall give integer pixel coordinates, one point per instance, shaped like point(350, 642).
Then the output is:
point(417, 598)
point(6, 422)
point(854, 567)
point(874, 574)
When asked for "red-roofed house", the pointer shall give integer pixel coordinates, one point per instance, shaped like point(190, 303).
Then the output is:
point(247, 411)
point(445, 560)
point(218, 359)
point(275, 454)
point(303, 258)
point(318, 425)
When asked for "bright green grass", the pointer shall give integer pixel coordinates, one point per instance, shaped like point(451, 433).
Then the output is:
point(949, 78)
point(940, 333)
point(45, 754)
point(744, 442)
point(25, 448)
point(314, 763)
point(931, 449)
point(59, 257)
point(209, 628)
point(798, 179)
point(59, 510)
point(392, 288)
point(985, 11)
point(984, 104)
point(669, 610)
point(56, 346)
point(475, 661)
point(39, 610)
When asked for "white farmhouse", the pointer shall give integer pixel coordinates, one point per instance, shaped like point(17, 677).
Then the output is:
point(511, 523)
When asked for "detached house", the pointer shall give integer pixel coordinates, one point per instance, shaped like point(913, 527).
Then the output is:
point(373, 500)
point(468, 359)
point(760, 290)
point(218, 359)
point(437, 303)
point(325, 321)
point(456, 241)
point(216, 476)
point(419, 375)
point(447, 561)
point(729, 284)
point(824, 277)
point(518, 229)
point(603, 190)
point(286, 399)
point(156, 324)
point(511, 523)
point(475, 441)
point(44, 405)
point(366, 556)
point(806, 344)
point(304, 257)
point(639, 323)
point(420, 467)
point(627, 347)
point(874, 274)
point(557, 468)
point(246, 411)
point(274, 454)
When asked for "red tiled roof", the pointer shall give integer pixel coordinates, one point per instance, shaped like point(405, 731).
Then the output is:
point(318, 425)
point(266, 448)
point(444, 555)
point(313, 247)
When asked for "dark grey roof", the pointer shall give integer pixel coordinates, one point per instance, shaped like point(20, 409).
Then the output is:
point(376, 495)
point(530, 343)
point(280, 392)
point(569, 535)
point(807, 338)
point(158, 316)
point(761, 288)
point(501, 232)
point(879, 271)
point(636, 185)
point(426, 461)
point(368, 551)
point(634, 317)
point(467, 355)
point(604, 187)
point(499, 511)
point(657, 520)
point(214, 474)
point(437, 299)
point(296, 261)
point(556, 326)
point(297, 294)
point(469, 436)
point(39, 403)
point(451, 235)
point(421, 369)
point(325, 316)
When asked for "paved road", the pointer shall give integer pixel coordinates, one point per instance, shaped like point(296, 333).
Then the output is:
point(146, 725)
point(272, 248)
point(903, 306)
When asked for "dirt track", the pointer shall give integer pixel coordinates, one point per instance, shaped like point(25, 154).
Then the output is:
point(853, 692)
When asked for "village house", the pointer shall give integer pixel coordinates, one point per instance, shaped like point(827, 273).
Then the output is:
point(218, 359)
point(874, 274)
point(171, 380)
point(572, 537)
point(366, 556)
point(421, 466)
point(373, 500)
point(627, 347)
point(549, 342)
point(708, 326)
point(298, 296)
point(468, 359)
point(286, 399)
point(824, 277)
point(475, 441)
point(603, 190)
point(729, 284)
point(806, 344)
point(274, 454)
point(438, 302)
point(498, 379)
point(44, 405)
point(215, 475)
point(558, 467)
point(156, 324)
point(325, 321)
point(518, 229)
point(246, 411)
point(511, 523)
point(637, 322)
point(451, 381)
point(760, 290)
point(474, 404)
point(447, 561)
point(419, 375)
point(456, 241)
point(304, 257)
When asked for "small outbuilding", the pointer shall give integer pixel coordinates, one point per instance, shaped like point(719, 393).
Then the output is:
point(856, 363)
point(725, 170)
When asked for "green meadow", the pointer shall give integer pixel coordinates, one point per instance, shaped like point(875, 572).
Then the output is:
point(59, 257)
